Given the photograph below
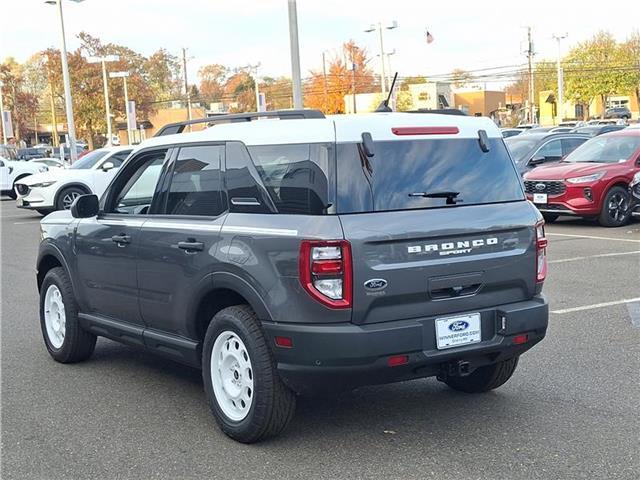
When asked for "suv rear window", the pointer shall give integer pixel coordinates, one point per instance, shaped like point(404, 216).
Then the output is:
point(296, 176)
point(401, 170)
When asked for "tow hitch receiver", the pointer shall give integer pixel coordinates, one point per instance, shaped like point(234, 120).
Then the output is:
point(461, 368)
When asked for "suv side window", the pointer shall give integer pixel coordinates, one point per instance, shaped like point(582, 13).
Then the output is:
point(118, 158)
point(137, 193)
point(551, 151)
point(195, 187)
point(570, 144)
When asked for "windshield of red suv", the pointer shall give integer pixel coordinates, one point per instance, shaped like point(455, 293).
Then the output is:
point(606, 149)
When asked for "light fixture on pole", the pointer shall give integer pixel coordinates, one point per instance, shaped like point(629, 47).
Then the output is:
point(103, 60)
point(124, 76)
point(560, 99)
point(379, 28)
point(71, 129)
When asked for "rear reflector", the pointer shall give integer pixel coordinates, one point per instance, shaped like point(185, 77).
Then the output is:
point(326, 267)
point(425, 130)
point(398, 360)
point(520, 339)
point(284, 342)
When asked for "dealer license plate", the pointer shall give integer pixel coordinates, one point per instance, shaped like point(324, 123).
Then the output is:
point(539, 198)
point(457, 331)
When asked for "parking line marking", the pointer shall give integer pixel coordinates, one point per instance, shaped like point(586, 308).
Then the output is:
point(26, 223)
point(574, 259)
point(594, 238)
point(596, 305)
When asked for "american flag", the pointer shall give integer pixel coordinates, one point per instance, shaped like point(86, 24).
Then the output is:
point(429, 37)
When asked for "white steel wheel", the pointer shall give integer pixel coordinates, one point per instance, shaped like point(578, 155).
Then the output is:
point(54, 316)
point(232, 376)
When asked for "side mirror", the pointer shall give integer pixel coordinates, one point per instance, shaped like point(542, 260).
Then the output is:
point(106, 166)
point(85, 206)
point(538, 159)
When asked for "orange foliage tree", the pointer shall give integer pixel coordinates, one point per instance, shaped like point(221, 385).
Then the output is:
point(327, 94)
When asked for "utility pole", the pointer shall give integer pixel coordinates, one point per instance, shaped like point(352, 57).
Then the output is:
point(295, 55)
point(560, 99)
point(124, 76)
point(186, 84)
point(324, 74)
point(4, 130)
point(353, 79)
point(530, 53)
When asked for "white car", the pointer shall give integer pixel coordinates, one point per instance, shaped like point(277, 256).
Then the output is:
point(59, 187)
point(13, 171)
point(51, 162)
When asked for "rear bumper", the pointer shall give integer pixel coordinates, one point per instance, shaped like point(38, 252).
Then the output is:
point(339, 356)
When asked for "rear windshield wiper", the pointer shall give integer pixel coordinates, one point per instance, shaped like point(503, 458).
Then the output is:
point(449, 195)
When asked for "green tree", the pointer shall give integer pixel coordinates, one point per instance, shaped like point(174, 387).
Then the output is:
point(592, 69)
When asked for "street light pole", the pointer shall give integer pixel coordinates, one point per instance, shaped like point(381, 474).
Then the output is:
point(295, 55)
point(103, 60)
point(4, 130)
point(378, 27)
point(71, 129)
point(124, 76)
point(560, 100)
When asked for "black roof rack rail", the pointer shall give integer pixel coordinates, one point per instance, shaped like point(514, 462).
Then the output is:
point(440, 111)
point(178, 127)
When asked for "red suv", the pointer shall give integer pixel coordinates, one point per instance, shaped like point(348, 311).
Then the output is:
point(592, 181)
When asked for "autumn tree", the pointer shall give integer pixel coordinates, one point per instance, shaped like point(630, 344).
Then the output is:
point(162, 73)
point(346, 73)
point(212, 80)
point(630, 57)
point(277, 92)
point(240, 90)
point(19, 98)
point(592, 69)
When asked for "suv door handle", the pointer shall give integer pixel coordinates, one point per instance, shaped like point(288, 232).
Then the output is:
point(121, 239)
point(191, 246)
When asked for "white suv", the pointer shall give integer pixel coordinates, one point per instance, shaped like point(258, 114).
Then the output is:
point(58, 188)
point(12, 170)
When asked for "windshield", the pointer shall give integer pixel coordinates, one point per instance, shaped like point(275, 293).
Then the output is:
point(605, 150)
point(413, 174)
point(89, 160)
point(519, 147)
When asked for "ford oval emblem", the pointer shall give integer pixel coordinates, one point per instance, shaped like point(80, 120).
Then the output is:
point(540, 186)
point(375, 284)
point(458, 326)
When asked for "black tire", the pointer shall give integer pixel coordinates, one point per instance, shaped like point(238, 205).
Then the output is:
point(550, 217)
point(78, 344)
point(273, 404)
point(12, 193)
point(615, 208)
point(486, 378)
point(68, 193)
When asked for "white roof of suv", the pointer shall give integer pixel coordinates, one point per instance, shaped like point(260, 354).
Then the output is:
point(339, 128)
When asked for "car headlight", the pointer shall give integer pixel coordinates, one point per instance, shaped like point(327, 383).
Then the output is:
point(587, 178)
point(43, 184)
point(635, 180)
point(43, 168)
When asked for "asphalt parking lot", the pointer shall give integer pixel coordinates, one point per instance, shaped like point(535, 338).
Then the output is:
point(572, 409)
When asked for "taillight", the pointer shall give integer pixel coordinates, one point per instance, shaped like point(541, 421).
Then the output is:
point(541, 253)
point(325, 271)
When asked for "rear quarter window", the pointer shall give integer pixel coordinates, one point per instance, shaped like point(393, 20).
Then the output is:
point(401, 168)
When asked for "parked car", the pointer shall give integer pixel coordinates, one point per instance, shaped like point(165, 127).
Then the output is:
point(527, 126)
point(572, 123)
point(595, 130)
point(634, 195)
point(248, 251)
point(592, 181)
point(51, 162)
point(618, 112)
point(58, 188)
point(12, 171)
point(511, 132)
point(8, 152)
point(561, 129)
point(534, 149)
point(31, 153)
point(539, 130)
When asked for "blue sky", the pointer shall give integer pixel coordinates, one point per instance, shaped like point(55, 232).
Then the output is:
point(468, 34)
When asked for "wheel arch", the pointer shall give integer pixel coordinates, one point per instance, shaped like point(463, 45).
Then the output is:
point(80, 185)
point(50, 257)
point(221, 290)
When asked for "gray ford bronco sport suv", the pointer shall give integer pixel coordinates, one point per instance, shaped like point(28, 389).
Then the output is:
point(299, 253)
